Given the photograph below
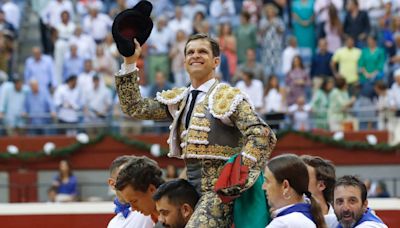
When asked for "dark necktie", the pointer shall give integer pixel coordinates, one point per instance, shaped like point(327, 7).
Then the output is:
point(191, 106)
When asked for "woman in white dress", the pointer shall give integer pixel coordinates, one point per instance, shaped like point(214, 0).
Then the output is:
point(286, 186)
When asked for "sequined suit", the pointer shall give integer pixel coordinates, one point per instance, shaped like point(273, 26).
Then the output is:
point(221, 125)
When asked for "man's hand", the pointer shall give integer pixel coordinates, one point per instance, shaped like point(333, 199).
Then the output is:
point(133, 59)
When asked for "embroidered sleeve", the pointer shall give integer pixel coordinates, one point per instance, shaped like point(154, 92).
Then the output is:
point(133, 104)
point(259, 139)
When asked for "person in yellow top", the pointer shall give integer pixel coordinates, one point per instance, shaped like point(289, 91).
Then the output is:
point(347, 58)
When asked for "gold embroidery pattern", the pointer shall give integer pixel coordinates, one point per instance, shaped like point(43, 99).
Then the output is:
point(172, 94)
point(133, 104)
point(224, 98)
point(197, 135)
point(211, 150)
point(210, 211)
point(202, 122)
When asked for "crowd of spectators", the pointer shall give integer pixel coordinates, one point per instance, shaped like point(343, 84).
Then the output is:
point(314, 63)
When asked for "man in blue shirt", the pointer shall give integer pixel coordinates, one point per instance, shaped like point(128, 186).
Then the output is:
point(38, 108)
point(73, 65)
point(320, 66)
point(41, 68)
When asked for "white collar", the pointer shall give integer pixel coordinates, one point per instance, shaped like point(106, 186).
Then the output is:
point(205, 87)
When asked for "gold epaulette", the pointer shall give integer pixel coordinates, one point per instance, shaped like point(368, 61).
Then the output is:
point(172, 96)
point(224, 100)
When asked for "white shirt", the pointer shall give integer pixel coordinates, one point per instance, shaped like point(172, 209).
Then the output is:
point(99, 100)
point(160, 40)
point(86, 45)
point(52, 13)
point(330, 218)
point(65, 31)
point(255, 91)
point(190, 10)
point(134, 220)
point(301, 118)
point(97, 27)
point(222, 11)
point(287, 58)
point(321, 8)
point(395, 95)
point(183, 24)
point(273, 101)
point(292, 220)
point(12, 13)
point(68, 102)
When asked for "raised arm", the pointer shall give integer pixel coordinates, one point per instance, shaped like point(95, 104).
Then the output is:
point(131, 101)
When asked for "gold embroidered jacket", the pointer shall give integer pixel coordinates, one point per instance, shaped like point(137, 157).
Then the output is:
point(222, 125)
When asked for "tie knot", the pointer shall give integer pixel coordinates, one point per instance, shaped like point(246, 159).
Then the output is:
point(195, 92)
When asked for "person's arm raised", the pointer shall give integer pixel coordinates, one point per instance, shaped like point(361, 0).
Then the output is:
point(131, 101)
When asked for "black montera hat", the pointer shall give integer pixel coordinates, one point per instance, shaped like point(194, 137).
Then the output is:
point(132, 23)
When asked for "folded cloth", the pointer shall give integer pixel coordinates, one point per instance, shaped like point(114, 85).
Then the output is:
point(123, 208)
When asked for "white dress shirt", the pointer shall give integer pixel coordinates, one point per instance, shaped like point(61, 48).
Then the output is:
point(52, 13)
point(12, 13)
point(330, 218)
point(68, 102)
point(287, 58)
point(97, 27)
point(255, 91)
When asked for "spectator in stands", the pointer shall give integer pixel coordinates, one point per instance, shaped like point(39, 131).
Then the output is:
point(158, 48)
point(137, 182)
point(288, 54)
point(297, 81)
point(320, 66)
point(97, 103)
point(222, 11)
point(383, 105)
point(12, 13)
point(39, 109)
point(351, 204)
point(396, 25)
point(51, 194)
point(105, 65)
point(125, 217)
point(339, 105)
point(109, 46)
point(40, 67)
point(322, 12)
point(356, 24)
point(320, 104)
point(347, 57)
point(300, 114)
point(333, 29)
point(286, 183)
point(274, 103)
point(97, 24)
point(119, 6)
point(192, 8)
point(246, 37)
point(198, 20)
point(322, 178)
point(381, 190)
point(68, 102)
point(371, 65)
point(66, 183)
point(385, 38)
point(86, 44)
point(303, 27)
point(172, 173)
point(65, 29)
point(252, 65)
point(180, 23)
point(271, 31)
point(176, 54)
point(12, 99)
point(85, 79)
point(394, 133)
point(175, 202)
point(227, 42)
point(73, 63)
point(394, 61)
point(159, 85)
point(5, 25)
point(253, 88)
point(374, 9)
point(50, 17)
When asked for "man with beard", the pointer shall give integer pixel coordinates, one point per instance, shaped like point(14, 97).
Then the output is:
point(175, 202)
point(351, 205)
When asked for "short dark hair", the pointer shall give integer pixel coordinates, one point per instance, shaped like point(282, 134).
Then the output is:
point(349, 180)
point(201, 36)
point(139, 173)
point(324, 171)
point(118, 162)
point(178, 192)
point(340, 83)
